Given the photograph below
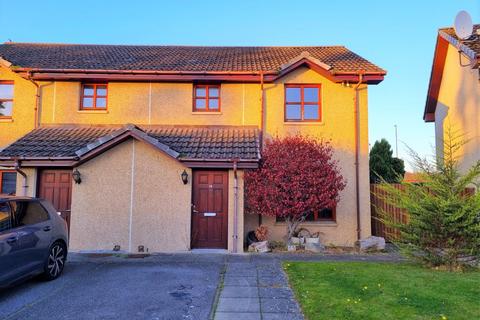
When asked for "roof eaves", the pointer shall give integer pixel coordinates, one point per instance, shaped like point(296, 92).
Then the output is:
point(129, 130)
point(305, 55)
point(459, 45)
point(436, 74)
point(5, 63)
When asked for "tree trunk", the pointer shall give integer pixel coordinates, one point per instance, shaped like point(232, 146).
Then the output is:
point(292, 225)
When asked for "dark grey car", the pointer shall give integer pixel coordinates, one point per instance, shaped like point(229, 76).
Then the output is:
point(33, 240)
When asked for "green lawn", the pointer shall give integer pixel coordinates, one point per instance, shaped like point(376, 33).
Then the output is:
point(363, 290)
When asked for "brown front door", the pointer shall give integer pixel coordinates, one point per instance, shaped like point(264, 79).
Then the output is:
point(210, 209)
point(56, 186)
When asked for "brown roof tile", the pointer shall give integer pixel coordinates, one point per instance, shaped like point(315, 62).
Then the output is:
point(472, 43)
point(219, 143)
point(175, 58)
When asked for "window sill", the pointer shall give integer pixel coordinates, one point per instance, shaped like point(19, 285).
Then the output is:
point(324, 223)
point(206, 112)
point(6, 120)
point(300, 123)
point(93, 111)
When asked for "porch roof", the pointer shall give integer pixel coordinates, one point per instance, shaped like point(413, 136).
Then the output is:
point(185, 143)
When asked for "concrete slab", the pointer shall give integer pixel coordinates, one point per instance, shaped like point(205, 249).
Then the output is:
point(239, 292)
point(237, 316)
point(238, 305)
point(240, 281)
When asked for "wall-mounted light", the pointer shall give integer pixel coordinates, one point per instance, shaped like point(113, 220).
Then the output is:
point(184, 176)
point(77, 177)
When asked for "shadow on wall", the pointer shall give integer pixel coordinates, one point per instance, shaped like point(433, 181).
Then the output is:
point(460, 111)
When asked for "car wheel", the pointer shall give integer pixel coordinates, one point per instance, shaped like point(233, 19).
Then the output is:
point(55, 261)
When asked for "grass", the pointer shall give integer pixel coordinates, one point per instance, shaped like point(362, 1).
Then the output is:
point(363, 290)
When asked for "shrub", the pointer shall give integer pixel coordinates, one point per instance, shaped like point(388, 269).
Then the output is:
point(297, 175)
point(443, 228)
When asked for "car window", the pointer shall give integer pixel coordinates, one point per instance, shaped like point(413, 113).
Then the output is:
point(5, 221)
point(28, 213)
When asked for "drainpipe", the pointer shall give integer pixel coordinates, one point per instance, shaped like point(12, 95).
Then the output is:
point(24, 175)
point(357, 151)
point(261, 125)
point(235, 207)
point(262, 110)
point(37, 99)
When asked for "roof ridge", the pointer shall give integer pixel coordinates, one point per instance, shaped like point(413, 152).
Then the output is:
point(168, 45)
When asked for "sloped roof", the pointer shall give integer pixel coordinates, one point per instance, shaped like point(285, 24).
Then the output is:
point(191, 143)
point(176, 58)
point(472, 43)
point(469, 47)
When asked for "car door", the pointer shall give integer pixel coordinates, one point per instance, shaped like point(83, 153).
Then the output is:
point(34, 232)
point(9, 260)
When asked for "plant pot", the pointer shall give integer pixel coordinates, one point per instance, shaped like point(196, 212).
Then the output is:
point(291, 247)
point(312, 240)
point(295, 240)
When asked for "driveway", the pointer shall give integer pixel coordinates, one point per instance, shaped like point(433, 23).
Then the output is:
point(180, 286)
point(166, 286)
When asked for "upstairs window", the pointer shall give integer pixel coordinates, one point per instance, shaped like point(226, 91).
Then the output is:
point(206, 98)
point(6, 99)
point(302, 102)
point(8, 182)
point(94, 96)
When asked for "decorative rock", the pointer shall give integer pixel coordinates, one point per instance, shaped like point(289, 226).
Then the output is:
point(259, 247)
point(314, 247)
point(297, 240)
point(371, 243)
point(312, 240)
point(291, 247)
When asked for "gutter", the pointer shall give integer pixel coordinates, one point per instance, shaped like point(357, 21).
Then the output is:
point(357, 151)
point(111, 71)
point(262, 110)
point(24, 175)
point(154, 75)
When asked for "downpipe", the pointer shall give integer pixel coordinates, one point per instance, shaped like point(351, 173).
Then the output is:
point(24, 175)
point(357, 152)
point(235, 207)
point(37, 99)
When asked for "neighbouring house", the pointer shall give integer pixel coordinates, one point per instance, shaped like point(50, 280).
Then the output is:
point(453, 98)
point(144, 147)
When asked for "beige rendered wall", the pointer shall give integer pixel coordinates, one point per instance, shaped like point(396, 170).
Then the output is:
point(337, 126)
point(171, 103)
point(161, 216)
point(458, 107)
point(31, 184)
point(22, 120)
point(129, 196)
point(151, 103)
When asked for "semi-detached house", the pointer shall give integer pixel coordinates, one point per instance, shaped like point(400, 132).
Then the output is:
point(146, 146)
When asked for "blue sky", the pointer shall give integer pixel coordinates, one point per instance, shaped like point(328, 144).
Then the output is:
point(396, 35)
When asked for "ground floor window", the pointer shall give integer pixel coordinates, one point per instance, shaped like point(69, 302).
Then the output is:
point(8, 182)
point(326, 214)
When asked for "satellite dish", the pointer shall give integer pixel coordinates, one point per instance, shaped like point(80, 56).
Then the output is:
point(463, 25)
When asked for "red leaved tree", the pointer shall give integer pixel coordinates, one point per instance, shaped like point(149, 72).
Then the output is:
point(297, 175)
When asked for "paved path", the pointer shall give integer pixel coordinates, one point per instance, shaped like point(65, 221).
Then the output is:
point(255, 289)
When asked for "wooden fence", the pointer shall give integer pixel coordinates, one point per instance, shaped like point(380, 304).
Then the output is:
point(377, 206)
